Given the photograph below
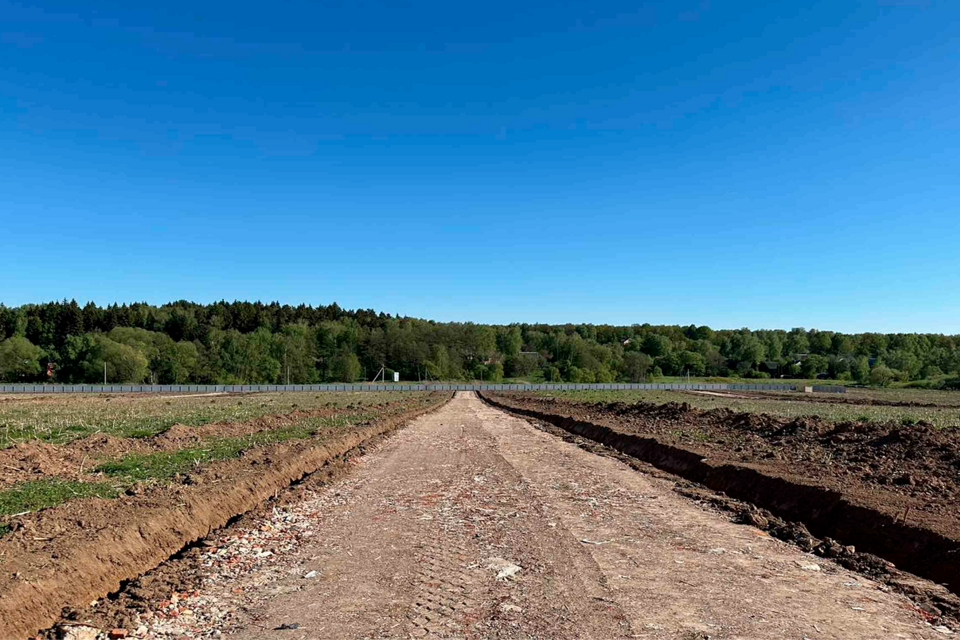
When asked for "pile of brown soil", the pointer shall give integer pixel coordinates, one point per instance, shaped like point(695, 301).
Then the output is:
point(73, 460)
point(829, 399)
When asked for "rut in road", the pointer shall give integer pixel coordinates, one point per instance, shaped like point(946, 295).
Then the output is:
point(471, 523)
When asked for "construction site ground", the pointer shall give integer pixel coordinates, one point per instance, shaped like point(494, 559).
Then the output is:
point(473, 523)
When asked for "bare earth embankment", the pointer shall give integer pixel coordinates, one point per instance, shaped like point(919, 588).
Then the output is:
point(80, 515)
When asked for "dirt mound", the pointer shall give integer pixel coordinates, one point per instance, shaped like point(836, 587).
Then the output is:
point(827, 399)
point(178, 436)
point(102, 445)
point(32, 460)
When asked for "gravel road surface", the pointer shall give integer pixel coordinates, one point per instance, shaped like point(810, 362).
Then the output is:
point(472, 523)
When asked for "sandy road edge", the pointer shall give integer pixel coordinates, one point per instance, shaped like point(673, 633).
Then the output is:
point(826, 512)
point(97, 567)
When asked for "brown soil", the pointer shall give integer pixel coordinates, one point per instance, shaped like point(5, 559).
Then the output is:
point(34, 460)
point(184, 572)
point(470, 523)
point(825, 399)
point(69, 555)
point(889, 489)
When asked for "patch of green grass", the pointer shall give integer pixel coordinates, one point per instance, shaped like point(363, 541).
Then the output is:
point(5, 529)
point(60, 419)
point(49, 492)
point(161, 465)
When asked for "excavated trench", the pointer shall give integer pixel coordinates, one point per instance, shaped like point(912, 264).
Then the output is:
point(826, 512)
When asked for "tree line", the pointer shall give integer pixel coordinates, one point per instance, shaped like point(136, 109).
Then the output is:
point(252, 342)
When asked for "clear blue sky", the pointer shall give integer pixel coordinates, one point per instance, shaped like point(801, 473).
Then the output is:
point(758, 164)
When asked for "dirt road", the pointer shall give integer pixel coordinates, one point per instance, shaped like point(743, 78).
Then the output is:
point(473, 523)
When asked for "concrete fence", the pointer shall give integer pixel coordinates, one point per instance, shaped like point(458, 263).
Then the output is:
point(433, 386)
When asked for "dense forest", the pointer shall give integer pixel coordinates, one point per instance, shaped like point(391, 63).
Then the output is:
point(244, 342)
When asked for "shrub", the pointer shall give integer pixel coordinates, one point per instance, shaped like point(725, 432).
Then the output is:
point(882, 375)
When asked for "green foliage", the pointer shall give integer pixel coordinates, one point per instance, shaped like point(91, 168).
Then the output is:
point(242, 342)
point(521, 366)
point(882, 375)
point(19, 360)
point(494, 372)
point(123, 362)
point(655, 345)
point(813, 365)
point(693, 363)
point(346, 367)
point(509, 341)
point(49, 492)
point(636, 366)
point(160, 465)
point(69, 417)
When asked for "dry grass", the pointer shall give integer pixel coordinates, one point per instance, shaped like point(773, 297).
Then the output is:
point(61, 418)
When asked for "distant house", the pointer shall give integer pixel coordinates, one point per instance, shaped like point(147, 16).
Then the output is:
point(772, 367)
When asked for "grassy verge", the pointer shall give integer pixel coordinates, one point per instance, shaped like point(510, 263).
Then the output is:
point(162, 465)
point(60, 419)
point(49, 492)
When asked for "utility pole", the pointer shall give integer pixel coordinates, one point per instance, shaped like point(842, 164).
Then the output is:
point(104, 372)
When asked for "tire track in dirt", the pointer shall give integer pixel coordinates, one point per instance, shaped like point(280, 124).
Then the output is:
point(679, 572)
point(439, 494)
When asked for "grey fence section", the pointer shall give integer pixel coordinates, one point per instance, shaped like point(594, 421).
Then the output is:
point(433, 386)
point(829, 388)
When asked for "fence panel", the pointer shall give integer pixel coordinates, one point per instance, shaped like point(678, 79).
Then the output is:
point(433, 386)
